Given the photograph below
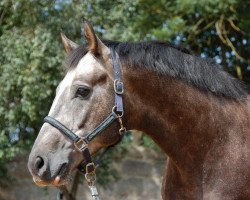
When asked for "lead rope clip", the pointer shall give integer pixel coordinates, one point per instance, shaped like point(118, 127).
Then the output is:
point(90, 176)
point(122, 129)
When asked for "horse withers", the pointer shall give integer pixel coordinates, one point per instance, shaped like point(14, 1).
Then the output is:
point(195, 112)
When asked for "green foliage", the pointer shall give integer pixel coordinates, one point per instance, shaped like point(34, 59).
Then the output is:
point(30, 58)
point(31, 52)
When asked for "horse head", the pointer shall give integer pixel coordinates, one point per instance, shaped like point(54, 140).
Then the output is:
point(83, 99)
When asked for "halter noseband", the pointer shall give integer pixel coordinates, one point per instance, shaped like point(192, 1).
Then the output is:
point(81, 143)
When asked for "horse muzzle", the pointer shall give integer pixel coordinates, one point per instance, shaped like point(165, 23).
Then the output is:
point(48, 170)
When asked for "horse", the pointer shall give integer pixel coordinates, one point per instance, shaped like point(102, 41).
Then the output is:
point(191, 108)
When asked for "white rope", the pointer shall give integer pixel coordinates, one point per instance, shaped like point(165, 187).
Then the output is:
point(94, 192)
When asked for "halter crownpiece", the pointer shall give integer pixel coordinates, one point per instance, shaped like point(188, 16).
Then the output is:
point(81, 143)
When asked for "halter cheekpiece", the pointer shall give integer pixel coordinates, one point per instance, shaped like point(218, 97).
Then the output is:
point(81, 143)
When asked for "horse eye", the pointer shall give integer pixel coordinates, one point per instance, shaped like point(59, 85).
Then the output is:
point(82, 92)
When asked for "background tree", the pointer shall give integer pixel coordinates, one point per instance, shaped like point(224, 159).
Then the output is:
point(31, 53)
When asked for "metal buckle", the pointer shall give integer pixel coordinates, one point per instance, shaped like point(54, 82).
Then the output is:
point(116, 82)
point(80, 144)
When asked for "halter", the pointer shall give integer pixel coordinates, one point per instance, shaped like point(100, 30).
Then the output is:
point(81, 143)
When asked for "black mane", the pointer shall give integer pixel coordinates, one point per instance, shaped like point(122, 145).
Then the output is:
point(167, 59)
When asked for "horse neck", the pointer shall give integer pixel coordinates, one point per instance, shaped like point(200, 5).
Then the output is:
point(183, 120)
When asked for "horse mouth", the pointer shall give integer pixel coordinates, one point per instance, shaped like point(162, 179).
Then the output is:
point(62, 170)
point(60, 178)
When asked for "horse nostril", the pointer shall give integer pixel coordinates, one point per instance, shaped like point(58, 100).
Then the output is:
point(39, 162)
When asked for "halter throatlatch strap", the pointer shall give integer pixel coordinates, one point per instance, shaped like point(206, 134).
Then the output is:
point(81, 143)
point(118, 84)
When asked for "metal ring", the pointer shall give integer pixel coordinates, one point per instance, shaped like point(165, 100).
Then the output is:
point(91, 177)
point(122, 131)
point(80, 144)
point(117, 113)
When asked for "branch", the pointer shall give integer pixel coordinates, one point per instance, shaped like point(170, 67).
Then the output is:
point(230, 44)
point(195, 31)
point(2, 15)
point(205, 28)
point(5, 8)
point(239, 72)
point(236, 27)
point(198, 24)
point(192, 33)
point(220, 28)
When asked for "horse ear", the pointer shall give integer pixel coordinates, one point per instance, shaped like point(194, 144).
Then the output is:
point(95, 45)
point(69, 45)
